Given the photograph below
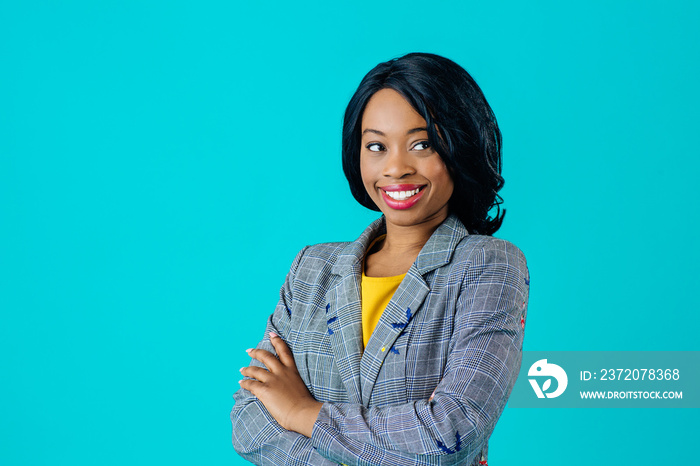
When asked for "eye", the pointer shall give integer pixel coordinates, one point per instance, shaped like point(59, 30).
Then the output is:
point(422, 145)
point(375, 147)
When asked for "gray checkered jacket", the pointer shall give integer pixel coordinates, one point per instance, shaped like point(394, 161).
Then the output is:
point(453, 330)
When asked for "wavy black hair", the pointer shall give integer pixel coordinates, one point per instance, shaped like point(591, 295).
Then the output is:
point(461, 127)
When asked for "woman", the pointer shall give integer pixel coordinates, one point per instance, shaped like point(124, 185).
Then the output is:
point(399, 348)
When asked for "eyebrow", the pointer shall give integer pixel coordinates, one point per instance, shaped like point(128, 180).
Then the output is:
point(410, 131)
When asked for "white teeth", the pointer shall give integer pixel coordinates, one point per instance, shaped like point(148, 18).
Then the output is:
point(401, 195)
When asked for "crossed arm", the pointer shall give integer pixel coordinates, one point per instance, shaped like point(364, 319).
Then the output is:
point(280, 388)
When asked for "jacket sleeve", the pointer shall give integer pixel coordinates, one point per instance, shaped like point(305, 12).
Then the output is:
point(484, 358)
point(256, 435)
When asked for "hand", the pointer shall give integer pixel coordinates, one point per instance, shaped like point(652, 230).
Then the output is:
point(281, 389)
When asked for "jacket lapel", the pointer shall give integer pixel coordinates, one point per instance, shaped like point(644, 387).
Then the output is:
point(344, 310)
point(404, 304)
point(359, 369)
point(407, 301)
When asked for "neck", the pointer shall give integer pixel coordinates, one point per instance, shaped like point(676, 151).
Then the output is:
point(409, 239)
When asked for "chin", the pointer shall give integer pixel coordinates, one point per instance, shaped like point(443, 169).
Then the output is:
point(406, 219)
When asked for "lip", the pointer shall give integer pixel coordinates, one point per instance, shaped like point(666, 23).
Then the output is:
point(406, 203)
point(401, 187)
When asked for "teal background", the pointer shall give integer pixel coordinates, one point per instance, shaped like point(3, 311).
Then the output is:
point(162, 162)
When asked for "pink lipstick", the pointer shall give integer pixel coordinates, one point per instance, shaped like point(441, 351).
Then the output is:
point(402, 196)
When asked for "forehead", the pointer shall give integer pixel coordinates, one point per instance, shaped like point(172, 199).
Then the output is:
point(388, 111)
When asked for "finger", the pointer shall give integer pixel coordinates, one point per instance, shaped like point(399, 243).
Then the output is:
point(251, 385)
point(283, 351)
point(255, 372)
point(268, 359)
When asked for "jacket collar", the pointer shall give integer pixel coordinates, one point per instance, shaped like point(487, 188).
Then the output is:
point(436, 252)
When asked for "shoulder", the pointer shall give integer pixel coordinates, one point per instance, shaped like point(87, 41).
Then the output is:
point(316, 261)
point(488, 245)
point(326, 253)
point(476, 251)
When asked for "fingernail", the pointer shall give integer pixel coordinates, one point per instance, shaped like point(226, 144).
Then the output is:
point(273, 335)
point(240, 370)
point(249, 350)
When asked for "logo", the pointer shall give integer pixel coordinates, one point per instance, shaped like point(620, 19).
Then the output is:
point(543, 369)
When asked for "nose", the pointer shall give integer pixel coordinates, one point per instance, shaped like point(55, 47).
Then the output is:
point(398, 164)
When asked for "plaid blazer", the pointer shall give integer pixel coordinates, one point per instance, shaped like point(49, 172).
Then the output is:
point(436, 372)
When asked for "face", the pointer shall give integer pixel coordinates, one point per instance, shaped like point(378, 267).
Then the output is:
point(403, 175)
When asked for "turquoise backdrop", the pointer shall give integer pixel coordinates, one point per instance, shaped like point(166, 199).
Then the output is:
point(151, 151)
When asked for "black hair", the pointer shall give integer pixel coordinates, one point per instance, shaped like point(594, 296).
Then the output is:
point(461, 127)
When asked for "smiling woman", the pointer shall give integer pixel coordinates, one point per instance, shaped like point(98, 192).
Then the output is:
point(401, 172)
point(401, 347)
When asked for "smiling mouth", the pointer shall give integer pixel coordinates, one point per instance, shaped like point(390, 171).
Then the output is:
point(403, 195)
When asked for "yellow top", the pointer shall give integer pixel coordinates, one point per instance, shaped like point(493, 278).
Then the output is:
point(376, 294)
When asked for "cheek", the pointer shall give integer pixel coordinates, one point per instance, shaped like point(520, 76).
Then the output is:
point(366, 174)
point(442, 179)
point(449, 187)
